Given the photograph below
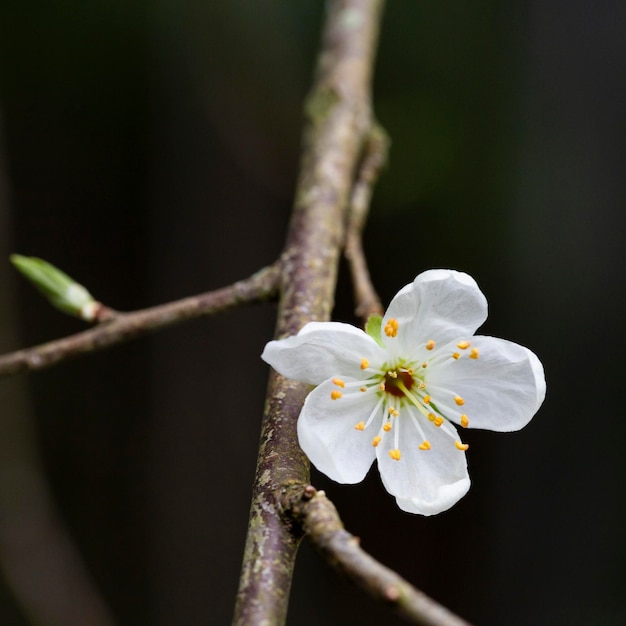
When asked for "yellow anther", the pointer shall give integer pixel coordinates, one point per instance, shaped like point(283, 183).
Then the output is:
point(422, 385)
point(432, 417)
point(360, 426)
point(461, 446)
point(335, 395)
point(459, 400)
point(393, 411)
point(387, 426)
point(456, 355)
point(426, 399)
point(430, 344)
point(339, 382)
point(425, 445)
point(364, 363)
point(410, 371)
point(393, 374)
point(395, 454)
point(424, 365)
point(438, 421)
point(391, 327)
point(382, 386)
point(376, 440)
point(362, 388)
point(464, 421)
point(474, 353)
point(463, 345)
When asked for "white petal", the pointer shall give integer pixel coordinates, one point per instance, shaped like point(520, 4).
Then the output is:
point(448, 496)
point(327, 434)
point(423, 481)
point(503, 388)
point(322, 350)
point(438, 305)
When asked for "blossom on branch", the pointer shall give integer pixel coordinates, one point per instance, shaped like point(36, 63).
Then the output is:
point(395, 392)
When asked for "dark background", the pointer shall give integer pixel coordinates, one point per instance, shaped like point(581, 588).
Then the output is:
point(150, 149)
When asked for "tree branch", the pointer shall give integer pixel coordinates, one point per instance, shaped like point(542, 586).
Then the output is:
point(341, 145)
point(120, 327)
point(320, 522)
point(374, 158)
point(339, 119)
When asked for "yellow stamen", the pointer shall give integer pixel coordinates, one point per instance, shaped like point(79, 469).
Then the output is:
point(432, 417)
point(456, 355)
point(425, 445)
point(391, 327)
point(410, 371)
point(360, 426)
point(376, 440)
point(461, 446)
point(463, 345)
point(422, 385)
point(459, 400)
point(426, 399)
point(393, 374)
point(392, 411)
point(335, 395)
point(387, 427)
point(395, 454)
point(364, 363)
point(424, 365)
point(474, 353)
point(430, 344)
point(362, 388)
point(382, 386)
point(464, 421)
point(339, 382)
point(438, 421)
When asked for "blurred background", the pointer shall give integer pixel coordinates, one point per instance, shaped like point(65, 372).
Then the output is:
point(150, 149)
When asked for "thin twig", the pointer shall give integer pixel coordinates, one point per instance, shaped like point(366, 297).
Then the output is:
point(320, 522)
point(125, 326)
point(374, 158)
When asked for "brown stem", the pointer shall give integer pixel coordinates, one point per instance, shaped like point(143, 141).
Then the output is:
point(320, 522)
point(339, 119)
point(373, 160)
point(119, 327)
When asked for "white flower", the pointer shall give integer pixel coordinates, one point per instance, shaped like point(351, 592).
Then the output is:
point(396, 395)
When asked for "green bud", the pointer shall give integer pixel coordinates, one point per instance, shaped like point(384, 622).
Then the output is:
point(372, 328)
point(62, 291)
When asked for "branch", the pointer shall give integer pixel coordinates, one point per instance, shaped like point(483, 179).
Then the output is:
point(320, 521)
point(338, 121)
point(373, 160)
point(120, 327)
point(342, 156)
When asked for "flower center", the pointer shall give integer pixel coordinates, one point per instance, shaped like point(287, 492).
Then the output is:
point(395, 377)
point(403, 396)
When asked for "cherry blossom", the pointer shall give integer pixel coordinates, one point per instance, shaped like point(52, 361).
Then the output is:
point(397, 392)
